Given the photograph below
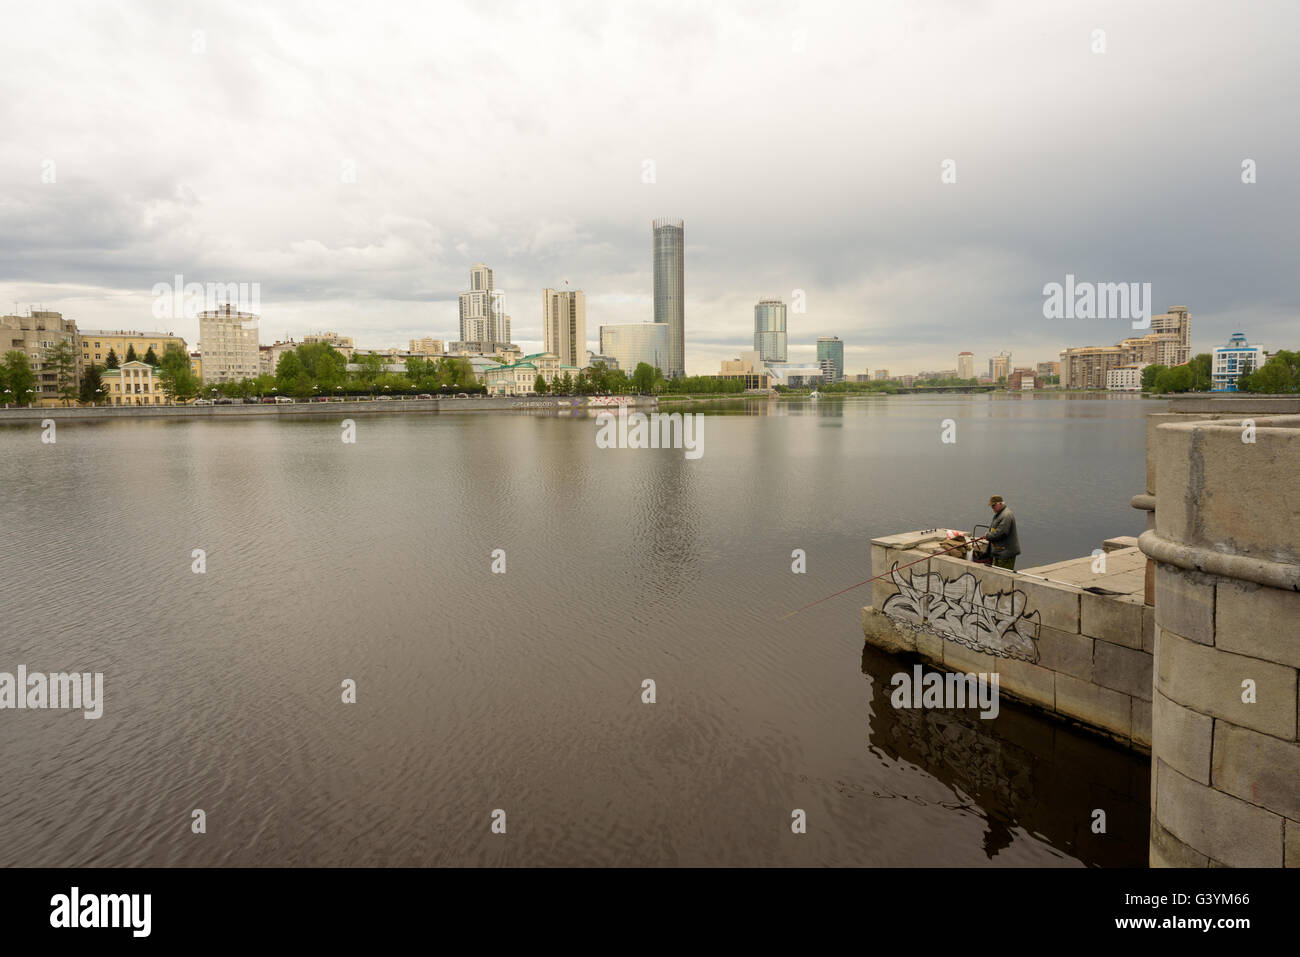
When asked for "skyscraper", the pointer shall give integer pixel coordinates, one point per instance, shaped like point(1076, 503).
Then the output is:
point(564, 325)
point(670, 289)
point(631, 343)
point(965, 365)
point(482, 312)
point(769, 330)
point(830, 356)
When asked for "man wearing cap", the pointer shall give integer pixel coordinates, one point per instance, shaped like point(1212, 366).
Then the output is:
point(1004, 544)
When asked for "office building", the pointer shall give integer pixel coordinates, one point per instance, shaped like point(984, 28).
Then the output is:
point(564, 324)
point(999, 365)
point(426, 346)
point(830, 357)
point(965, 365)
point(1230, 362)
point(880, 375)
point(96, 344)
point(770, 330)
point(228, 344)
point(670, 291)
point(343, 344)
point(631, 343)
point(1046, 369)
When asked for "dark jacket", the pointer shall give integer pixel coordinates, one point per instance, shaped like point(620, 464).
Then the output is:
point(1003, 540)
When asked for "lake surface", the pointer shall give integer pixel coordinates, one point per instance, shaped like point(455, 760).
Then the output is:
point(522, 691)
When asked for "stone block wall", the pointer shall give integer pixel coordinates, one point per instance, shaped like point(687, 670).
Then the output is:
point(1225, 776)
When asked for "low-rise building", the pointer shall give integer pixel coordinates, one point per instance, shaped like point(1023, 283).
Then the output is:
point(520, 378)
point(133, 383)
point(1125, 378)
point(426, 346)
point(97, 343)
point(1023, 380)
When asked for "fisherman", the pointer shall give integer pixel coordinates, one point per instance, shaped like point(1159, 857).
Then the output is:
point(1004, 544)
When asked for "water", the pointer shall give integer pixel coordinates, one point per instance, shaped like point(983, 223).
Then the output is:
point(522, 691)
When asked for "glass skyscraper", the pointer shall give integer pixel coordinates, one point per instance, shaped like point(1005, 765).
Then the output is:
point(769, 330)
point(830, 356)
point(632, 342)
point(670, 290)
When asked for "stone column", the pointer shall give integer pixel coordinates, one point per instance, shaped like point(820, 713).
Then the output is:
point(1225, 758)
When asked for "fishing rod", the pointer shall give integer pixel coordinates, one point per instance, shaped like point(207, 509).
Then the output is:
point(951, 548)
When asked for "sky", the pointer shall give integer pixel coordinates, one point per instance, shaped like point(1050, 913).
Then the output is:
point(354, 160)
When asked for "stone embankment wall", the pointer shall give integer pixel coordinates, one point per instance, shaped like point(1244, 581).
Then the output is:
point(559, 404)
point(1080, 655)
point(1224, 543)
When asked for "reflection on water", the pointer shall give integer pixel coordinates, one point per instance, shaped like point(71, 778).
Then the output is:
point(522, 690)
point(1018, 770)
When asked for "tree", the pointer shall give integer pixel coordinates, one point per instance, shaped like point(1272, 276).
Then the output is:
point(323, 365)
point(290, 376)
point(19, 380)
point(91, 384)
point(539, 385)
point(1176, 379)
point(151, 357)
point(130, 353)
point(178, 379)
point(62, 359)
point(643, 377)
point(1200, 369)
point(1280, 374)
point(112, 361)
point(1149, 376)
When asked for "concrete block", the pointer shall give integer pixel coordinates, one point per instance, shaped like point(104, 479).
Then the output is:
point(1142, 723)
point(1216, 824)
point(881, 632)
point(1181, 738)
point(1168, 851)
point(1065, 652)
point(1118, 542)
point(1117, 620)
point(1257, 768)
point(930, 647)
point(1210, 681)
point(1149, 629)
point(1057, 605)
point(1101, 707)
point(1123, 669)
point(1020, 679)
point(1292, 852)
point(1261, 622)
point(1185, 603)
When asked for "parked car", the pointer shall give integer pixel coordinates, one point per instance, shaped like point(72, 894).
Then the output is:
point(383, 398)
point(424, 395)
point(283, 400)
point(250, 400)
point(223, 401)
point(462, 395)
point(202, 401)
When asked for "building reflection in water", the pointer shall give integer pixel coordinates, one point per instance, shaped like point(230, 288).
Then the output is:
point(1019, 770)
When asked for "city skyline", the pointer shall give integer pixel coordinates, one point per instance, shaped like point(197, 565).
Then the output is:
point(353, 217)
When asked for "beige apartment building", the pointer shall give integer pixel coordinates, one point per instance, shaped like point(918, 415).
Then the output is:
point(228, 343)
point(343, 344)
point(1169, 343)
point(34, 333)
point(965, 365)
point(97, 343)
point(564, 325)
point(426, 346)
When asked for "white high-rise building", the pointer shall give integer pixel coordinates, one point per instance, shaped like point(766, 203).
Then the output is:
point(965, 365)
point(228, 344)
point(564, 325)
point(482, 311)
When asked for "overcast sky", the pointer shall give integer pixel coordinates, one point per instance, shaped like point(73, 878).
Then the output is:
point(801, 143)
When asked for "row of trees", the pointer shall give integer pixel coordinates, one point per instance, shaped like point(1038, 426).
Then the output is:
point(1193, 376)
point(317, 368)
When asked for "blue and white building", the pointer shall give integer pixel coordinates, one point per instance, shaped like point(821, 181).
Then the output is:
point(1233, 361)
